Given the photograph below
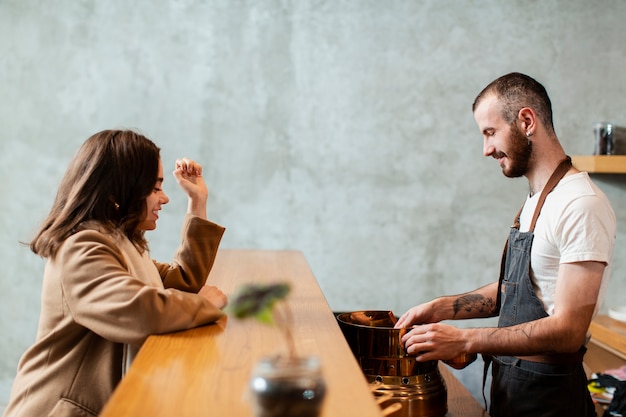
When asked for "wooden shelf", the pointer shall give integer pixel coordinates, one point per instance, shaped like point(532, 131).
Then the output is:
point(610, 333)
point(600, 164)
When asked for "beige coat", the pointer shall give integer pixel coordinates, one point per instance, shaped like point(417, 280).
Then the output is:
point(100, 300)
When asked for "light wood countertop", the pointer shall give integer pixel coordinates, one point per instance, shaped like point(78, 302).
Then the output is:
point(609, 333)
point(205, 371)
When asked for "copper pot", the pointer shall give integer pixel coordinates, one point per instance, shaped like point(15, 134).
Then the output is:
point(377, 346)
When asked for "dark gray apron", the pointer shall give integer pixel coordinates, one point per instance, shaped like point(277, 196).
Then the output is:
point(555, 386)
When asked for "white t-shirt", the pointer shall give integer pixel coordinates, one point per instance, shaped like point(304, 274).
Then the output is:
point(576, 224)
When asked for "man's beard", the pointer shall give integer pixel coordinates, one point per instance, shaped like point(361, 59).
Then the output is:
point(519, 154)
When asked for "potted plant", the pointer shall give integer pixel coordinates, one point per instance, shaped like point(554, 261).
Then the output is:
point(282, 385)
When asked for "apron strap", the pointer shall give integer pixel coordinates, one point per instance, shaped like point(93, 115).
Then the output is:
point(556, 176)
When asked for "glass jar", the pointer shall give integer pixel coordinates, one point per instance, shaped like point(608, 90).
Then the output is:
point(283, 387)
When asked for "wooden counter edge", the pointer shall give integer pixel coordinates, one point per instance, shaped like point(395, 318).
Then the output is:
point(609, 333)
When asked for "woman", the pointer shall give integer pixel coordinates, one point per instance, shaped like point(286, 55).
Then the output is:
point(102, 295)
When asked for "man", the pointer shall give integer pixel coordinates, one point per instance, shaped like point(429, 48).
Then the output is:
point(554, 270)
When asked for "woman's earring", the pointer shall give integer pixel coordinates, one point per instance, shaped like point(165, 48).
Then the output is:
point(117, 206)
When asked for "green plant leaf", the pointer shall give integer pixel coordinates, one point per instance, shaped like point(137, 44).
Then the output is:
point(257, 301)
point(266, 316)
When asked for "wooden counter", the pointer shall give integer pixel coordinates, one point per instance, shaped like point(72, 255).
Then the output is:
point(606, 349)
point(610, 334)
point(205, 371)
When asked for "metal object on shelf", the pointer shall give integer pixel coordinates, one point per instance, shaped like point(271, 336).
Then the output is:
point(609, 139)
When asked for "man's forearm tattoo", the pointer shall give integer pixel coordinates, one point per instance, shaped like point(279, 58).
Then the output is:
point(472, 303)
point(525, 328)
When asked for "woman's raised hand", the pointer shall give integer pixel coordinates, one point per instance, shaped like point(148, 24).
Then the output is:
point(188, 175)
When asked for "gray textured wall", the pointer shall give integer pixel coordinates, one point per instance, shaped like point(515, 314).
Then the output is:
point(339, 128)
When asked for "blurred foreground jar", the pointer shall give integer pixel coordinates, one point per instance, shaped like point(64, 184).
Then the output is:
point(283, 387)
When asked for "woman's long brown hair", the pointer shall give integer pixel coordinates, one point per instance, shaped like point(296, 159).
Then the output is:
point(107, 182)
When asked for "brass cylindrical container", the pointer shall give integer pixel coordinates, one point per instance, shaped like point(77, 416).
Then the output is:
point(377, 346)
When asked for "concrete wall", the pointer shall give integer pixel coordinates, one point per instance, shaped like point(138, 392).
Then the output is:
point(339, 128)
